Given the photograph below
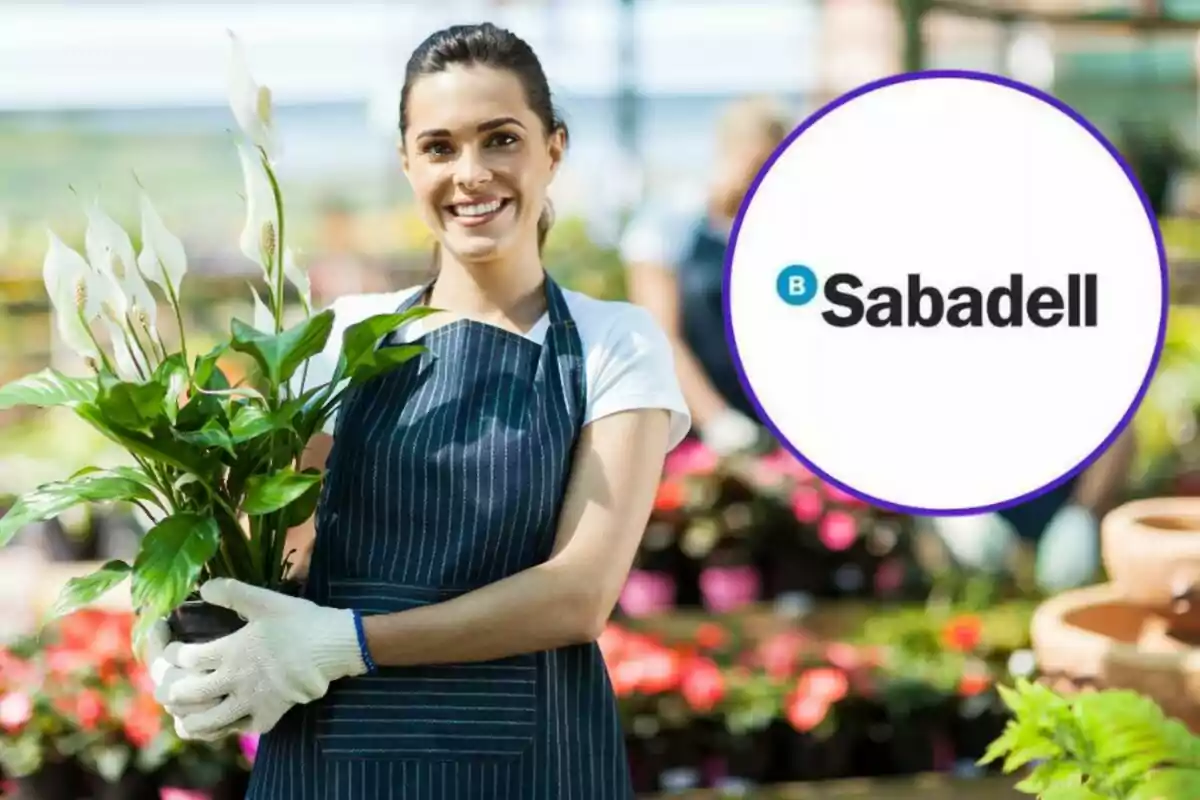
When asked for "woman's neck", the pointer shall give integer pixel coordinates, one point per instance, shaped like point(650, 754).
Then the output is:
point(508, 293)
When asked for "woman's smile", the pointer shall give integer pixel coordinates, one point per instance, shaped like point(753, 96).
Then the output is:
point(478, 212)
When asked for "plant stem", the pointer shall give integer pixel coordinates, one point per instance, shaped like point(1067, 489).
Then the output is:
point(279, 240)
point(174, 298)
point(141, 348)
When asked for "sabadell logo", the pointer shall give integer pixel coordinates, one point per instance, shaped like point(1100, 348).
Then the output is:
point(917, 304)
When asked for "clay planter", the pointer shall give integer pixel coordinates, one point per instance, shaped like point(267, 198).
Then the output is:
point(1151, 551)
point(1094, 637)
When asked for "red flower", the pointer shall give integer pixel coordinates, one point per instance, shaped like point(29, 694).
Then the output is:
point(842, 655)
point(816, 692)
point(671, 495)
point(710, 636)
point(781, 653)
point(840, 496)
point(703, 685)
point(143, 721)
point(89, 709)
point(661, 671)
point(829, 683)
point(974, 683)
point(806, 713)
point(962, 634)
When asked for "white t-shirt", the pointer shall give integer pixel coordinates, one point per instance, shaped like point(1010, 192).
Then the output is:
point(629, 362)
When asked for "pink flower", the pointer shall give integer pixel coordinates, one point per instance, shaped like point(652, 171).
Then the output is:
point(174, 793)
point(248, 742)
point(807, 504)
point(840, 496)
point(838, 530)
point(15, 710)
point(690, 458)
point(784, 463)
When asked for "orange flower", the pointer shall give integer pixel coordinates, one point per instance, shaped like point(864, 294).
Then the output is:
point(806, 713)
point(828, 683)
point(710, 636)
point(962, 634)
point(671, 495)
point(143, 721)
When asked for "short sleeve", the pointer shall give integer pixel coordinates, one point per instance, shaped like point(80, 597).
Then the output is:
point(633, 367)
point(655, 237)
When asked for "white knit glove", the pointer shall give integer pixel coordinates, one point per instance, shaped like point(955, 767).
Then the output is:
point(164, 674)
point(730, 432)
point(288, 653)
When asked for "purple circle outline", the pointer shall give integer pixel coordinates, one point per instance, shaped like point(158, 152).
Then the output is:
point(883, 83)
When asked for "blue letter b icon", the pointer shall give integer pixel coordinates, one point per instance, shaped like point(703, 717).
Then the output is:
point(796, 285)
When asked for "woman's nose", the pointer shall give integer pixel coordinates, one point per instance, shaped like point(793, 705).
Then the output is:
point(471, 170)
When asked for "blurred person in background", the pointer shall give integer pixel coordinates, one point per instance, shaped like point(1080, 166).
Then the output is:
point(675, 264)
point(1062, 524)
point(483, 502)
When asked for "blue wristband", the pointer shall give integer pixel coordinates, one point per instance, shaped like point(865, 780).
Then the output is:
point(362, 644)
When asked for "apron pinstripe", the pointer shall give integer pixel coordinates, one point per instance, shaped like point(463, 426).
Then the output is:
point(447, 474)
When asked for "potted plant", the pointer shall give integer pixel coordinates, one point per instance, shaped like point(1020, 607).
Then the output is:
point(215, 464)
point(1094, 746)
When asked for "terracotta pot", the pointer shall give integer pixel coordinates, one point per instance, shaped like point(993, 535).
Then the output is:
point(1151, 551)
point(1095, 637)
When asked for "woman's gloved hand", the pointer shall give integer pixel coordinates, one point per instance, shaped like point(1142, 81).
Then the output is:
point(163, 674)
point(730, 432)
point(288, 653)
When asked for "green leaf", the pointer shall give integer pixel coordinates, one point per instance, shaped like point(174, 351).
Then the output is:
point(267, 493)
point(172, 375)
point(134, 406)
point(303, 507)
point(1049, 774)
point(46, 389)
point(1169, 784)
point(381, 361)
point(161, 446)
point(252, 421)
point(212, 434)
point(278, 355)
point(360, 340)
point(51, 499)
point(170, 560)
point(82, 591)
point(207, 377)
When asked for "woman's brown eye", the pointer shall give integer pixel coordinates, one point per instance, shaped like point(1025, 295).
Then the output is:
point(503, 139)
point(437, 148)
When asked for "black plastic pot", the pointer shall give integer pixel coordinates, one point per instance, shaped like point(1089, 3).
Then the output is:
point(197, 621)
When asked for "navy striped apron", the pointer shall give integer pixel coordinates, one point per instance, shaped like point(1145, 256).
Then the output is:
point(448, 474)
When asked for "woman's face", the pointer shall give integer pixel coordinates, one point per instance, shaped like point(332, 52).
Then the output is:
point(479, 160)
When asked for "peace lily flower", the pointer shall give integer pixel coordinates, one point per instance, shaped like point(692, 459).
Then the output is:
point(260, 235)
point(263, 320)
point(298, 277)
point(71, 285)
point(111, 253)
point(132, 364)
point(163, 260)
point(251, 103)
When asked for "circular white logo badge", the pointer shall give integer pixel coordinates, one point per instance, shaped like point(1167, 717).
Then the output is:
point(946, 293)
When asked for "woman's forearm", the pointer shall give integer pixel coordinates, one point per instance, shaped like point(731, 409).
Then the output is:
point(540, 608)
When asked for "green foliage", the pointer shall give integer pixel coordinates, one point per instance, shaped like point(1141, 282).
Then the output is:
point(1094, 746)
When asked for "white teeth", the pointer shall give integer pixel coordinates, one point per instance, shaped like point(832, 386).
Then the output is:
point(477, 210)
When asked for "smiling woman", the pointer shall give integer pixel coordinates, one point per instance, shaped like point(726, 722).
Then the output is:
point(482, 503)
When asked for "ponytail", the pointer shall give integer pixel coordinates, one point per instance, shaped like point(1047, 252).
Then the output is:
point(544, 223)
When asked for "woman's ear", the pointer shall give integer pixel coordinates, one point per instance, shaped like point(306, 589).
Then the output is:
point(557, 145)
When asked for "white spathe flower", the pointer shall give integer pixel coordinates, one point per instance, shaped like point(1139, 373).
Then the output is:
point(260, 235)
point(163, 260)
point(250, 102)
point(298, 276)
point(110, 252)
point(128, 359)
point(263, 320)
point(70, 283)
